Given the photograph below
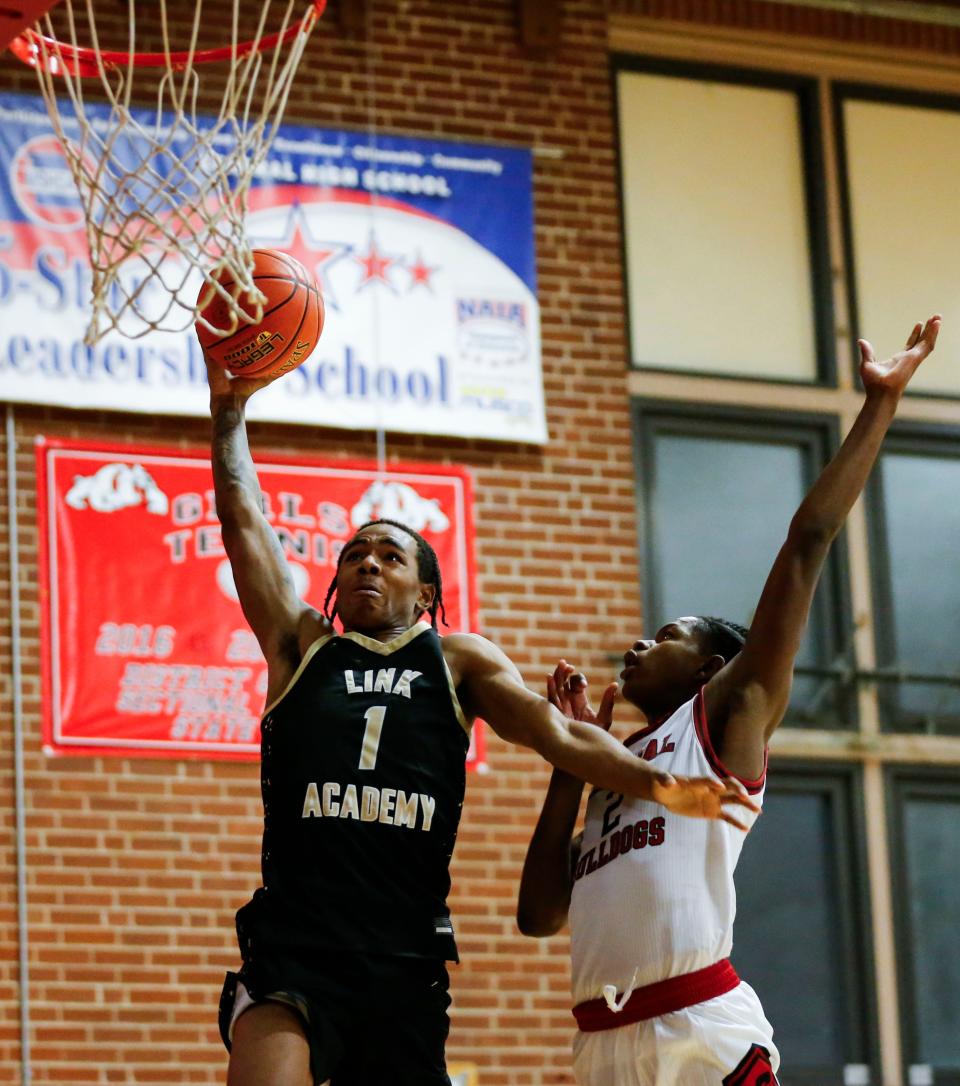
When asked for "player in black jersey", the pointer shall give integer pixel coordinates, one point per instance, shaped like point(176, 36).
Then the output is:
point(363, 744)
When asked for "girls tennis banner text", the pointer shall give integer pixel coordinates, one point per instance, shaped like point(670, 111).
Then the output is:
point(145, 649)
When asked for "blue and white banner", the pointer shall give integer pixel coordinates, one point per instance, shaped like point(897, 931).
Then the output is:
point(423, 250)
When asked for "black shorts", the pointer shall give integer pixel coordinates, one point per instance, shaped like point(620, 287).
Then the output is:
point(368, 1019)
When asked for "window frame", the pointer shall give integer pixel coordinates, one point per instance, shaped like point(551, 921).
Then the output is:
point(908, 437)
point(818, 436)
point(900, 75)
point(902, 781)
point(842, 91)
point(813, 168)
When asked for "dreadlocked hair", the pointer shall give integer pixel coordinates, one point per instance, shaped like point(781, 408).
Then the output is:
point(721, 637)
point(428, 570)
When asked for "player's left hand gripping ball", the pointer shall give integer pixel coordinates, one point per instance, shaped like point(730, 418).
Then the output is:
point(288, 332)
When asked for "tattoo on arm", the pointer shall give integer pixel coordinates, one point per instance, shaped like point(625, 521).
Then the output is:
point(232, 462)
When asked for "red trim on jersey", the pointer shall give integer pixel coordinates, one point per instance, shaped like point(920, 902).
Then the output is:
point(664, 997)
point(644, 732)
point(703, 734)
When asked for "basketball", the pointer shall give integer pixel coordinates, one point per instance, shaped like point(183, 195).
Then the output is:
point(288, 331)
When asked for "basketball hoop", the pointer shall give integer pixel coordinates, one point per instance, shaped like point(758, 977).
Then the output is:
point(164, 189)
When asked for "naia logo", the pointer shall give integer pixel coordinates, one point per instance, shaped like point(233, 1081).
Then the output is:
point(44, 187)
point(492, 331)
point(398, 501)
point(117, 486)
point(487, 309)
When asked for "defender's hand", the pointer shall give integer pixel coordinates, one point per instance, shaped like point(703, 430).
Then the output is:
point(702, 797)
point(893, 375)
point(567, 690)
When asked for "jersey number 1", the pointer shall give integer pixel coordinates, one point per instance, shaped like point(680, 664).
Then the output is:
point(371, 736)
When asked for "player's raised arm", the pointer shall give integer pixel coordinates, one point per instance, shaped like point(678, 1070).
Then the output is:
point(489, 686)
point(543, 900)
point(746, 700)
point(264, 584)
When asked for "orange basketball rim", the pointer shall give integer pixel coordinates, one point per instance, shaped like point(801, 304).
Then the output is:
point(27, 44)
point(144, 229)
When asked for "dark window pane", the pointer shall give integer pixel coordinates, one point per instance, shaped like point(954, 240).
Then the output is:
point(932, 854)
point(719, 505)
point(713, 549)
point(786, 886)
point(921, 589)
point(798, 922)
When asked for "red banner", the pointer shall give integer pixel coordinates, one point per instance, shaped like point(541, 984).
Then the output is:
point(146, 651)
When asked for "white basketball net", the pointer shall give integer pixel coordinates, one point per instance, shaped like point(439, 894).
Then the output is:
point(164, 189)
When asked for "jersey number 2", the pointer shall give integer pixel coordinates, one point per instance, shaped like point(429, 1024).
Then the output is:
point(610, 823)
point(371, 736)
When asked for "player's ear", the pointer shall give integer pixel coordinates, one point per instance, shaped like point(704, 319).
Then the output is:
point(709, 668)
point(428, 593)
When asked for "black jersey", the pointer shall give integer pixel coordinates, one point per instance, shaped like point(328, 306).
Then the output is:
point(362, 775)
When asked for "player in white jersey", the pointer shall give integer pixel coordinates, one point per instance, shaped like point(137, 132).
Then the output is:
point(650, 897)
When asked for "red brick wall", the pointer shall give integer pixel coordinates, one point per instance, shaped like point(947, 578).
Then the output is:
point(135, 868)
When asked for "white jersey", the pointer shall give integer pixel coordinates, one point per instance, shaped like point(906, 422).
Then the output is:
point(653, 892)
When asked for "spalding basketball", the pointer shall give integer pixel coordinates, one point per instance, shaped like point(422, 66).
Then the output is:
point(286, 334)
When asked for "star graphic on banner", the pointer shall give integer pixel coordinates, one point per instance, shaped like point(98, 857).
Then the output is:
point(316, 255)
point(375, 265)
point(421, 273)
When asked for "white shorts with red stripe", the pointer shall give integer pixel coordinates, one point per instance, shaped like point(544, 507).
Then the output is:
point(724, 1041)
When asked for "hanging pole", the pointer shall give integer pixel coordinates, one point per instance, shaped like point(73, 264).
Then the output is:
point(371, 73)
point(23, 938)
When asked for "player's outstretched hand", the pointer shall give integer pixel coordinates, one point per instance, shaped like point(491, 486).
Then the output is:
point(224, 384)
point(567, 690)
point(703, 797)
point(893, 375)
